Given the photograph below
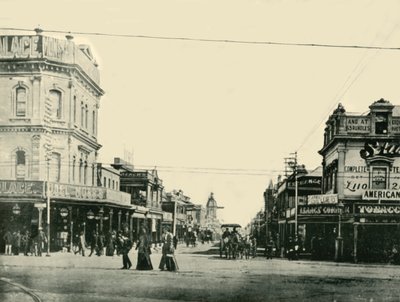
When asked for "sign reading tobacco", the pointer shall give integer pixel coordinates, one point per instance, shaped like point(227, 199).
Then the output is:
point(382, 209)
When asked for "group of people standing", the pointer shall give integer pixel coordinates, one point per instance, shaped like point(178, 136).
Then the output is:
point(26, 243)
point(143, 246)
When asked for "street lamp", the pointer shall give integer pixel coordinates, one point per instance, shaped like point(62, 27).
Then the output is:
point(16, 209)
point(339, 239)
point(90, 215)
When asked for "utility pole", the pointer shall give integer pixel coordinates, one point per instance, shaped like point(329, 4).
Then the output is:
point(291, 162)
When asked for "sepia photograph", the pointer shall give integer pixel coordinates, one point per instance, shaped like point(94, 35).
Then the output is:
point(199, 150)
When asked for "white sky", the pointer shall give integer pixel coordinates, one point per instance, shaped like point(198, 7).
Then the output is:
point(228, 106)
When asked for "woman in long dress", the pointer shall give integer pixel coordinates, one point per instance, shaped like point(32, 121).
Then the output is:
point(168, 258)
point(144, 251)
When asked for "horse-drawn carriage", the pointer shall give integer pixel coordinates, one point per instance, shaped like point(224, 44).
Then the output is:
point(230, 240)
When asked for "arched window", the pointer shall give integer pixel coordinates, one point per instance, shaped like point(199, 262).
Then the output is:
point(86, 116)
point(82, 115)
point(80, 170)
point(94, 122)
point(56, 102)
point(85, 173)
point(55, 167)
point(74, 117)
point(73, 168)
point(20, 101)
point(20, 164)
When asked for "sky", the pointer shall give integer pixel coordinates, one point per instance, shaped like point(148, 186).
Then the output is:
point(221, 117)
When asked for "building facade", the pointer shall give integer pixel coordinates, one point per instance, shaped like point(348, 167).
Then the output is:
point(361, 165)
point(50, 96)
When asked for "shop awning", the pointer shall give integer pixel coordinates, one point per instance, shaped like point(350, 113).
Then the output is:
point(138, 215)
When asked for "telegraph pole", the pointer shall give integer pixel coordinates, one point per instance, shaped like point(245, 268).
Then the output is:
point(291, 162)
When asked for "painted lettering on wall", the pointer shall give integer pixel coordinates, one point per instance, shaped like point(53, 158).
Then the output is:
point(372, 149)
point(357, 124)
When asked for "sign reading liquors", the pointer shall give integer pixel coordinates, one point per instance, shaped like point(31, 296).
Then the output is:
point(322, 199)
point(381, 194)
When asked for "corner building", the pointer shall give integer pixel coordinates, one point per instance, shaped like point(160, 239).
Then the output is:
point(49, 97)
point(361, 165)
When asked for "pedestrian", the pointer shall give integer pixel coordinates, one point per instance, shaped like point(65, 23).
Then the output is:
point(25, 242)
point(175, 242)
point(111, 237)
point(8, 238)
point(168, 260)
point(81, 244)
point(270, 248)
point(144, 251)
point(17, 242)
point(41, 241)
point(94, 243)
point(125, 245)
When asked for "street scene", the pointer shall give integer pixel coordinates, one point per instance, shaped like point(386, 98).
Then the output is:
point(202, 276)
point(214, 150)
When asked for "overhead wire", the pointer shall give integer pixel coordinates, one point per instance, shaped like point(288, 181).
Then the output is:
point(193, 39)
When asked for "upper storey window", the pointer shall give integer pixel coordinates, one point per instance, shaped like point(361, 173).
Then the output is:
point(20, 102)
point(381, 123)
point(56, 102)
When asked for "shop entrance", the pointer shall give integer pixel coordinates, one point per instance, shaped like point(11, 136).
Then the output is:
point(376, 241)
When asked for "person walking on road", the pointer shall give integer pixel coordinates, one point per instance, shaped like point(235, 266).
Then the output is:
point(81, 244)
point(8, 238)
point(168, 260)
point(94, 244)
point(125, 245)
point(144, 251)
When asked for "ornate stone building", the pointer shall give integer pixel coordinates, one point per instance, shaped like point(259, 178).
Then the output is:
point(50, 96)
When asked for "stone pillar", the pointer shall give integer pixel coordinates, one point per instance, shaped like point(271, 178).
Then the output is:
point(40, 217)
point(111, 218)
point(71, 229)
point(119, 220)
point(355, 243)
point(340, 171)
point(131, 227)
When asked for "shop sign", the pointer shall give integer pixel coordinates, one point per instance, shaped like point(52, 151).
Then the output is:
point(358, 125)
point(380, 209)
point(322, 199)
point(311, 210)
point(10, 188)
point(387, 149)
point(76, 192)
point(381, 195)
point(306, 181)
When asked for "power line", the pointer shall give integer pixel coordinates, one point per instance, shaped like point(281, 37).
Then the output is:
point(193, 39)
point(339, 95)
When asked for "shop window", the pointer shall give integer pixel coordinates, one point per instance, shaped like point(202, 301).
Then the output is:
point(381, 123)
point(379, 177)
point(56, 102)
point(20, 164)
point(20, 102)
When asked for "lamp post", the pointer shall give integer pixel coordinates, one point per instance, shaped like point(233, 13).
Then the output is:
point(339, 239)
point(16, 209)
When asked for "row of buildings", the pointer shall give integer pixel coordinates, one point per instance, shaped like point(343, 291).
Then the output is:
point(349, 207)
point(50, 176)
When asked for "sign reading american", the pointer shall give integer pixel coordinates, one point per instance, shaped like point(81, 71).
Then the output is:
point(381, 194)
